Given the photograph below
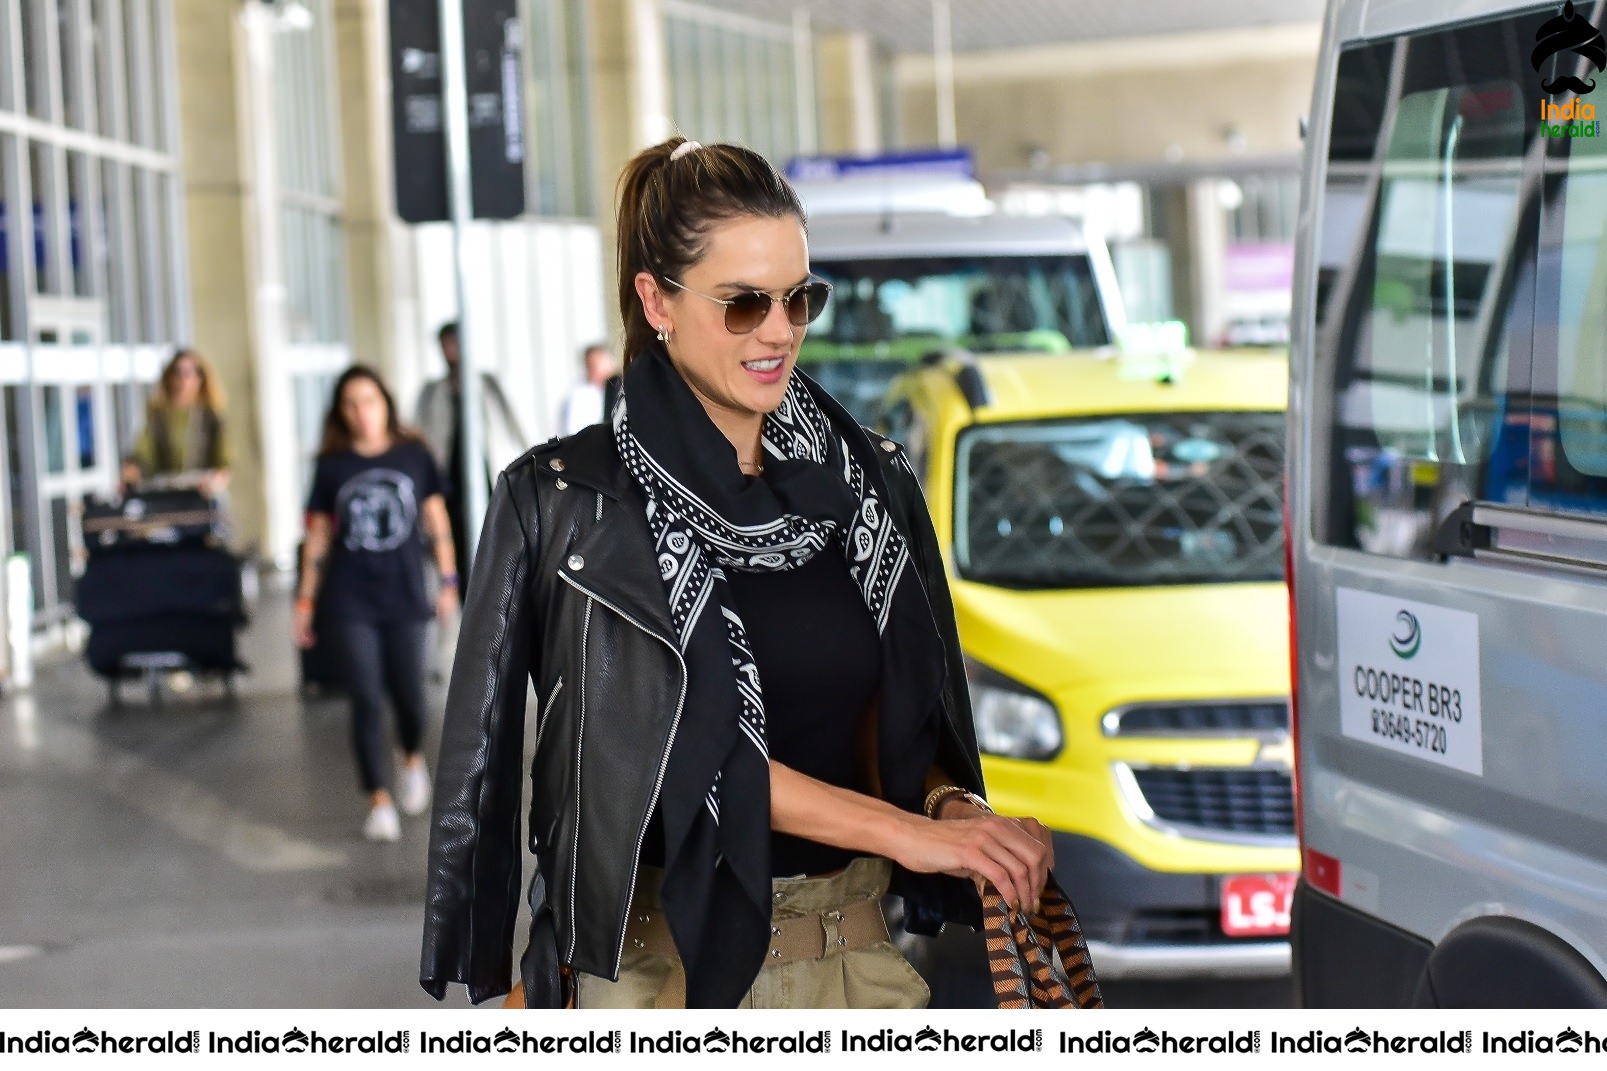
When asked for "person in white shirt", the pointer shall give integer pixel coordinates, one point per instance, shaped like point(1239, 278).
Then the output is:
point(586, 402)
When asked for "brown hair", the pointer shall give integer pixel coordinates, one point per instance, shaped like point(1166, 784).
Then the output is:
point(667, 208)
point(211, 389)
point(337, 436)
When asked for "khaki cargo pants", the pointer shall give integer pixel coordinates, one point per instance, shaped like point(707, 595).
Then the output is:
point(872, 976)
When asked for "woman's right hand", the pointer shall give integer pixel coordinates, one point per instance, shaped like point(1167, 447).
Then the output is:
point(301, 625)
point(1014, 855)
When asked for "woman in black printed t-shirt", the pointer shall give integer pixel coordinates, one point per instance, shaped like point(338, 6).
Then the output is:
point(376, 506)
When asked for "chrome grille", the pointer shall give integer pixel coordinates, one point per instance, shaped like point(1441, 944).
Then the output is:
point(1248, 718)
point(1251, 800)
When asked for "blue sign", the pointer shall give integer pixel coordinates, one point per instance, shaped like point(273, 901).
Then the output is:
point(950, 163)
point(39, 237)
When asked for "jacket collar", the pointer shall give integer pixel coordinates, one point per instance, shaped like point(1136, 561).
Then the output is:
point(617, 561)
point(589, 458)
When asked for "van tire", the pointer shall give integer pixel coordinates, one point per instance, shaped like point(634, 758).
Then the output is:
point(1503, 962)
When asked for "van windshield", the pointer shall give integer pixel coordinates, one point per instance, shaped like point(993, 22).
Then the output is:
point(1121, 501)
point(884, 315)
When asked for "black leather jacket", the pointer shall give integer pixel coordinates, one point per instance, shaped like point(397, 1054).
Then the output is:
point(566, 590)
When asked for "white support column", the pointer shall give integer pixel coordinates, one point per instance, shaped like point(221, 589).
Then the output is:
point(1208, 247)
point(943, 72)
point(275, 402)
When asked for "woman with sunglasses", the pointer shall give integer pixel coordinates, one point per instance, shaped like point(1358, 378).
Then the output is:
point(753, 717)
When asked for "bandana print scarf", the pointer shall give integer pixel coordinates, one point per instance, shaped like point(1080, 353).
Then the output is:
point(822, 483)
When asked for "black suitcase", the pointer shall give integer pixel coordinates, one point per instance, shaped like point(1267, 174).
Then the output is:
point(163, 581)
point(202, 642)
point(160, 517)
point(153, 608)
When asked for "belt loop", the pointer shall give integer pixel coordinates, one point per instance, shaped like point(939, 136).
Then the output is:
point(830, 922)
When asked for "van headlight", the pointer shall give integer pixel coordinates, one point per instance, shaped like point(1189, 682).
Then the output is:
point(1012, 720)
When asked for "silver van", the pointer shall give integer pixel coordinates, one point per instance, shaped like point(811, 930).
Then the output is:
point(1448, 509)
point(911, 283)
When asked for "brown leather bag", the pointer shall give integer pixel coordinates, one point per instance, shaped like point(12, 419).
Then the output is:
point(1023, 948)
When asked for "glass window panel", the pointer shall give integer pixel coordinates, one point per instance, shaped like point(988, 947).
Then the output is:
point(84, 413)
point(578, 102)
point(120, 269)
point(86, 223)
point(1444, 223)
point(1117, 501)
point(77, 68)
point(49, 265)
point(9, 286)
point(541, 163)
point(1425, 415)
point(140, 71)
point(35, 85)
point(1573, 480)
point(734, 91)
point(150, 241)
point(676, 52)
point(55, 429)
point(111, 94)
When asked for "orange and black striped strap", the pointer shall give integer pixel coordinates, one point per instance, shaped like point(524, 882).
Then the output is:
point(1022, 954)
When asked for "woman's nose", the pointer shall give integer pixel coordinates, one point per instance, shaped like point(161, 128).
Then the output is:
point(775, 326)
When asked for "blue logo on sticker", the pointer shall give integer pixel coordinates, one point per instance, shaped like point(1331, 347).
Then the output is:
point(1408, 637)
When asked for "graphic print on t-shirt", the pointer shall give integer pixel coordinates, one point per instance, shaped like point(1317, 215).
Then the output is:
point(377, 509)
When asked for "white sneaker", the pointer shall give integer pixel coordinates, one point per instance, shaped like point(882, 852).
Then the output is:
point(383, 824)
point(413, 788)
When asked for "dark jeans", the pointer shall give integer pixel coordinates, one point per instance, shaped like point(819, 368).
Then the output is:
point(382, 658)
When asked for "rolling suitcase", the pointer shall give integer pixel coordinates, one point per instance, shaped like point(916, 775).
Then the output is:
point(158, 608)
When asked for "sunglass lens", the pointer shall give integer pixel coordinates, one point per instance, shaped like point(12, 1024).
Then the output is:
point(806, 303)
point(746, 312)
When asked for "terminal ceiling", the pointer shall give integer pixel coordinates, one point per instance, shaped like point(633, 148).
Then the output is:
point(983, 25)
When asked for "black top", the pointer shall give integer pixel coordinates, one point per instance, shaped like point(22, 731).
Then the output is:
point(820, 663)
point(375, 570)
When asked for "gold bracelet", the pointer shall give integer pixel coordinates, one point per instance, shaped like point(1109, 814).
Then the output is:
point(935, 798)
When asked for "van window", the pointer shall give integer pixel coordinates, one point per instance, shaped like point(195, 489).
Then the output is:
point(1568, 467)
point(1121, 501)
point(986, 304)
point(1425, 300)
point(885, 315)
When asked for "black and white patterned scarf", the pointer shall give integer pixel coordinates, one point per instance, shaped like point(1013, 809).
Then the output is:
point(822, 484)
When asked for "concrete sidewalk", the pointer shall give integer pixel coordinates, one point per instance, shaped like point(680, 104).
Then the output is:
point(205, 852)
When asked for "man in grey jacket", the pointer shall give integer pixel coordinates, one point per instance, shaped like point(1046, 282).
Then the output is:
point(438, 417)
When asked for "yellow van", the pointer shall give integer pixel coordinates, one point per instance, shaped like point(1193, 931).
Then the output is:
point(1114, 537)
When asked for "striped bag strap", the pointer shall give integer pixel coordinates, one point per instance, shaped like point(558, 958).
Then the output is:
point(1023, 948)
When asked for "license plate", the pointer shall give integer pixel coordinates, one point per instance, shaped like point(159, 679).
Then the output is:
point(1257, 905)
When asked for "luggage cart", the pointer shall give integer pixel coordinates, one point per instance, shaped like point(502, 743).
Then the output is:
point(159, 592)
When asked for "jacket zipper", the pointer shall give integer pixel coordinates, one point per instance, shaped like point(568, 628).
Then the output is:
point(580, 743)
point(658, 781)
